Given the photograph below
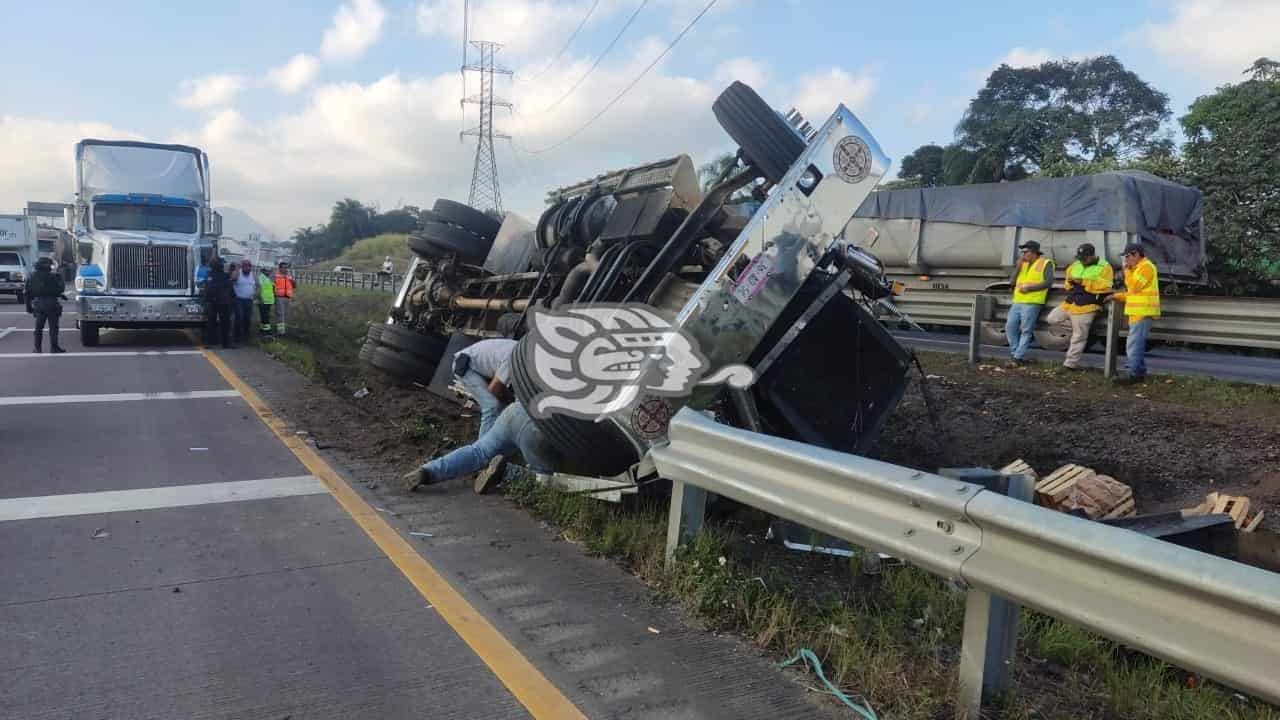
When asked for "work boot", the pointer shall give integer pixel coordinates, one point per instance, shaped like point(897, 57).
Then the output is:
point(56, 349)
point(415, 479)
point(489, 477)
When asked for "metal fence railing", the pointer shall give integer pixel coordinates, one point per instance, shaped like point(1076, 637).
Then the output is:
point(1223, 321)
point(1200, 612)
point(355, 280)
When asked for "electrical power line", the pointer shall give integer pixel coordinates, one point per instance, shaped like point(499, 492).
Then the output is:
point(596, 64)
point(543, 70)
point(631, 85)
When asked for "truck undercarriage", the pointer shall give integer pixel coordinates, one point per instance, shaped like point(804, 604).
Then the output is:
point(769, 283)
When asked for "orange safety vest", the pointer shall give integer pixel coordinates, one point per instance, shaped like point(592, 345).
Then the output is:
point(284, 286)
point(1032, 274)
point(1142, 291)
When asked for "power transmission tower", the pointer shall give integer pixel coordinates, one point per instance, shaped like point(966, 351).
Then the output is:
point(485, 192)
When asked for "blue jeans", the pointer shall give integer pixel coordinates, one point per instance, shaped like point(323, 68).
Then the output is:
point(1135, 348)
point(1019, 326)
point(478, 388)
point(514, 430)
point(244, 316)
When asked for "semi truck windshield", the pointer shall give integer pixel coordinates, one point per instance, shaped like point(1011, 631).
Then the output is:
point(112, 216)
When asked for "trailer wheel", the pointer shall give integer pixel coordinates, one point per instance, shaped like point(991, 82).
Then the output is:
point(89, 334)
point(765, 138)
point(438, 239)
point(467, 218)
point(427, 348)
point(586, 447)
point(1053, 338)
point(401, 365)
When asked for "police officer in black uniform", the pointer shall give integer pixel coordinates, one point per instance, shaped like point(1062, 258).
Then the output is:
point(44, 290)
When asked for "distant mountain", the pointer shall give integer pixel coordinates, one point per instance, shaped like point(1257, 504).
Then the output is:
point(239, 225)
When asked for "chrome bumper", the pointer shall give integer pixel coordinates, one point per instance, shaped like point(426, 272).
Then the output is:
point(109, 309)
point(11, 285)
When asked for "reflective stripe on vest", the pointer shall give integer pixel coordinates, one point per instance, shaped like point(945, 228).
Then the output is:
point(1032, 274)
point(284, 286)
point(1144, 302)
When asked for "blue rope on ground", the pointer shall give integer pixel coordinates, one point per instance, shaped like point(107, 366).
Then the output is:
point(812, 660)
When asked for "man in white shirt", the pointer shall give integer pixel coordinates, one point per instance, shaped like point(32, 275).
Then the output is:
point(484, 369)
point(246, 288)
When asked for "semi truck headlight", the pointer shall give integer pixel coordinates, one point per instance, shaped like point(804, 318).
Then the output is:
point(19, 275)
point(83, 283)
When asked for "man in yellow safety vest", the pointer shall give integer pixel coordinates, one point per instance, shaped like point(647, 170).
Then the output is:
point(1089, 281)
point(1141, 298)
point(1032, 279)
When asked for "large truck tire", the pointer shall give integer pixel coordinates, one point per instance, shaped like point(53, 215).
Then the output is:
point(1053, 338)
point(427, 348)
point(766, 139)
point(400, 365)
point(435, 240)
point(467, 218)
point(89, 334)
point(585, 447)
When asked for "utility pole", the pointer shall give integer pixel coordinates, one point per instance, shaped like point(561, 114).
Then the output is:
point(485, 192)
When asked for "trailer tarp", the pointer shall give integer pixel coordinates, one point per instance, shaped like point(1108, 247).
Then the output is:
point(1124, 201)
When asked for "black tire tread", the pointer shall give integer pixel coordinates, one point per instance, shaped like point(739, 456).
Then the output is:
point(401, 365)
point(438, 239)
point(765, 138)
point(89, 334)
point(427, 347)
point(585, 447)
point(467, 218)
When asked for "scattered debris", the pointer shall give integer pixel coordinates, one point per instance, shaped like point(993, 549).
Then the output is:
point(1237, 506)
point(1075, 487)
point(654, 630)
point(361, 393)
point(101, 534)
point(301, 432)
point(198, 449)
point(177, 589)
point(1019, 467)
point(420, 534)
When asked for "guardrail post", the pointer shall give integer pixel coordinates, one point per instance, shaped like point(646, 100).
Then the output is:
point(990, 622)
point(1112, 354)
point(981, 311)
point(684, 519)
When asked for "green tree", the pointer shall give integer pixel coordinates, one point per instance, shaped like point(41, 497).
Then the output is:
point(349, 221)
point(1025, 119)
point(1232, 154)
point(923, 166)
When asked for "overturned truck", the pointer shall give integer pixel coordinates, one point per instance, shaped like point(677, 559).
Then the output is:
point(778, 290)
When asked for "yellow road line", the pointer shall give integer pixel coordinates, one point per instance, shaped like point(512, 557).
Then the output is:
point(539, 696)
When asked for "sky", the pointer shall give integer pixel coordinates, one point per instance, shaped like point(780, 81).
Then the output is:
point(301, 104)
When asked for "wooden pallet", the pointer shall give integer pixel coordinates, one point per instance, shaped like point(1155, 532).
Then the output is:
point(1237, 506)
point(1020, 467)
point(1057, 486)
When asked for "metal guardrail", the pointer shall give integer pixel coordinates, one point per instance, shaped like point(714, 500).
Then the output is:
point(1228, 322)
point(354, 280)
point(1200, 612)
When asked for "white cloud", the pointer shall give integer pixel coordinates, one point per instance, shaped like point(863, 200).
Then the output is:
point(1216, 39)
point(522, 26)
point(749, 71)
point(1021, 57)
point(43, 151)
point(356, 27)
point(210, 91)
point(919, 113)
point(819, 93)
point(295, 74)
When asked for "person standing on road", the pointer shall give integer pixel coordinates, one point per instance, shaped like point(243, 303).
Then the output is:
point(1141, 298)
point(219, 295)
point(484, 369)
point(43, 292)
point(513, 431)
point(1032, 279)
point(246, 289)
point(284, 287)
point(1089, 281)
point(266, 300)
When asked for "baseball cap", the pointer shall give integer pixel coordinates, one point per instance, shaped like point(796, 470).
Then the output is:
point(1134, 248)
point(1086, 250)
point(1030, 245)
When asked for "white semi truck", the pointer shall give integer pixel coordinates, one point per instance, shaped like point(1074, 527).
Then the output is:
point(145, 227)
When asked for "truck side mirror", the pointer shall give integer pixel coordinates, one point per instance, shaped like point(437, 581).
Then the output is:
point(215, 224)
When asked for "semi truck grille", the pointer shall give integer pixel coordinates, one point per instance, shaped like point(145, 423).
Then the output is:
point(149, 267)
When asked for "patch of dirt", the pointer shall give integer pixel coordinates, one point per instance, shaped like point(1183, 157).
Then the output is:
point(1171, 447)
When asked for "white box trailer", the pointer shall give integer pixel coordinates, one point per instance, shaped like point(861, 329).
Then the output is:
point(18, 252)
